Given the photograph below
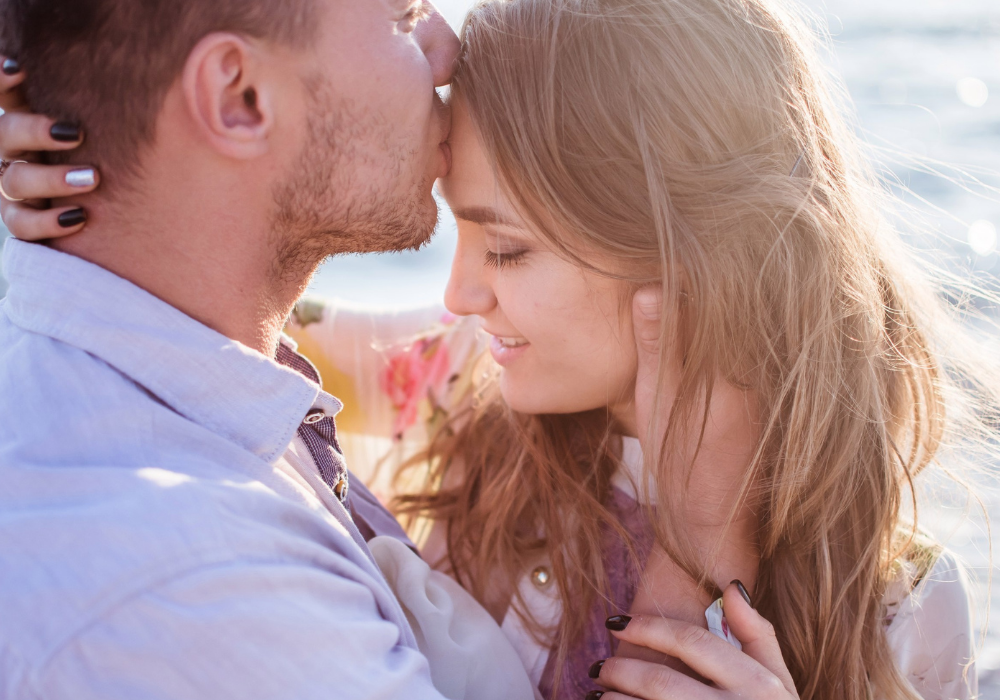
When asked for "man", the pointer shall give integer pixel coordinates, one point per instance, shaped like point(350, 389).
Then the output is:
point(176, 518)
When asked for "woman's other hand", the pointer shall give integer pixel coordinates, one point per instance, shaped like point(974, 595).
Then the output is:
point(22, 135)
point(756, 673)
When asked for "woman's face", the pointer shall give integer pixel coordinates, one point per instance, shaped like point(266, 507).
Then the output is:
point(559, 332)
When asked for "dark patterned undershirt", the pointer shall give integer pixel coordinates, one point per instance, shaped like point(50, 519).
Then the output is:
point(319, 433)
point(596, 642)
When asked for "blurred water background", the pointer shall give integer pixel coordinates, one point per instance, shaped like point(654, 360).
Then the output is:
point(925, 78)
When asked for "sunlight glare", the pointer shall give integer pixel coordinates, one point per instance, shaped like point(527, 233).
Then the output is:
point(983, 237)
point(972, 91)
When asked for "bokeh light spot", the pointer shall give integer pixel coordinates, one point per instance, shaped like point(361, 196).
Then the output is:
point(972, 91)
point(983, 237)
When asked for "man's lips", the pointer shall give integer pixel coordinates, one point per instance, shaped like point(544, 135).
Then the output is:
point(444, 116)
point(443, 110)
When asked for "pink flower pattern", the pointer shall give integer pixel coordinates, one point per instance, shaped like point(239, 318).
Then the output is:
point(415, 374)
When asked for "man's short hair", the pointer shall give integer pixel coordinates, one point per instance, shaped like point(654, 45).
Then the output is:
point(108, 64)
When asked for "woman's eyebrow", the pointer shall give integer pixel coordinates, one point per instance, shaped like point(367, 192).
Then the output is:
point(485, 215)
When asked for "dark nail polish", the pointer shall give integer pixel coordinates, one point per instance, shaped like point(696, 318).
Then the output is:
point(617, 623)
point(593, 695)
point(743, 591)
point(595, 670)
point(73, 217)
point(11, 67)
point(64, 131)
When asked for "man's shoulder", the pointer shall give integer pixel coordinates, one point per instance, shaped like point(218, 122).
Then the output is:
point(78, 541)
point(47, 385)
point(108, 493)
point(63, 406)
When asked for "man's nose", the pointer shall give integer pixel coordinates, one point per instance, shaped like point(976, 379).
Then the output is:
point(439, 43)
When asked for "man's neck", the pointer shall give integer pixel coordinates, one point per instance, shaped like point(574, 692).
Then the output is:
point(214, 267)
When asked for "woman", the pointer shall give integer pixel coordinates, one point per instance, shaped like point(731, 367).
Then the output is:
point(695, 147)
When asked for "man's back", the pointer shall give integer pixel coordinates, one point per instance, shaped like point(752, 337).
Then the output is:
point(149, 547)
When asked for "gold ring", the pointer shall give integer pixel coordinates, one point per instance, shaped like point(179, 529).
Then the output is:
point(4, 167)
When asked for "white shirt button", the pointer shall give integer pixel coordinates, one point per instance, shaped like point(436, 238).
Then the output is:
point(314, 416)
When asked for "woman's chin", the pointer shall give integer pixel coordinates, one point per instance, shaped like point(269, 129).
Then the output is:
point(518, 395)
point(533, 396)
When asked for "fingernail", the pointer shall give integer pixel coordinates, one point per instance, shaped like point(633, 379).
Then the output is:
point(616, 623)
point(11, 67)
point(593, 695)
point(595, 670)
point(84, 177)
point(743, 591)
point(64, 131)
point(73, 217)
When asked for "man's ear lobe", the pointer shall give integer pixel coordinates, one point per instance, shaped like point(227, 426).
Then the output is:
point(222, 89)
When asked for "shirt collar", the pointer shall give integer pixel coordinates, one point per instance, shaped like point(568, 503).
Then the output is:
point(208, 378)
point(631, 478)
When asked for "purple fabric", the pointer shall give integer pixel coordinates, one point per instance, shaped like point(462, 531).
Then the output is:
point(596, 642)
point(370, 516)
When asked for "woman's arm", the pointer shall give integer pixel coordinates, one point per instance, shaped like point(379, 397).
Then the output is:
point(395, 370)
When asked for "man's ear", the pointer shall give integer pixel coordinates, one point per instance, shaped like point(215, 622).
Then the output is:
point(226, 95)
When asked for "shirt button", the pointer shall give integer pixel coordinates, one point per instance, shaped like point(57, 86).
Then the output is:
point(541, 577)
point(340, 490)
point(314, 416)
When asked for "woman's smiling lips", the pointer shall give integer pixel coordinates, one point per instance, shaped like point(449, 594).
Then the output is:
point(506, 349)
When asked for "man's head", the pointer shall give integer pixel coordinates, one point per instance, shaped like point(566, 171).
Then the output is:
point(327, 106)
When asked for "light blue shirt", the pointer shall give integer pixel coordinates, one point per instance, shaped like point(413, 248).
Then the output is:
point(149, 546)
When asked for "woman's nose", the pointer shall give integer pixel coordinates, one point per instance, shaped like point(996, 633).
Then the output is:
point(439, 44)
point(469, 291)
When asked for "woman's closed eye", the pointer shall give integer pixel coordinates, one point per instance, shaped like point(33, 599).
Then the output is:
point(499, 261)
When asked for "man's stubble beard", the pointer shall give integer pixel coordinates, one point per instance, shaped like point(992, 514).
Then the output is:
point(322, 207)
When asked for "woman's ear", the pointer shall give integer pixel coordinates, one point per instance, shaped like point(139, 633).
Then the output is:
point(227, 95)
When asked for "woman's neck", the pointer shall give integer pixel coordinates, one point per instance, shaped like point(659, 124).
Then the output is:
point(721, 536)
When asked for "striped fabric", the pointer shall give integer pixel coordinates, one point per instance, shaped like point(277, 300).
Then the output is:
point(319, 432)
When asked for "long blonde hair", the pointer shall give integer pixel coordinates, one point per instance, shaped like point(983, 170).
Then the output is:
point(698, 145)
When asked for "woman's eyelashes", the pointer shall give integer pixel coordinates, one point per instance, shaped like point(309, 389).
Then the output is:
point(500, 261)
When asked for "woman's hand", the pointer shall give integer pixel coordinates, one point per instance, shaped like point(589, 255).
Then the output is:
point(22, 135)
point(756, 673)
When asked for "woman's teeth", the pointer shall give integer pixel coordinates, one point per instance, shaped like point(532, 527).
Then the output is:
point(512, 342)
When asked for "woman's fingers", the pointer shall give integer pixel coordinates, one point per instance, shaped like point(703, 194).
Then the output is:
point(11, 76)
point(30, 224)
point(651, 681)
point(756, 635)
point(21, 132)
point(37, 183)
point(31, 181)
point(706, 654)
